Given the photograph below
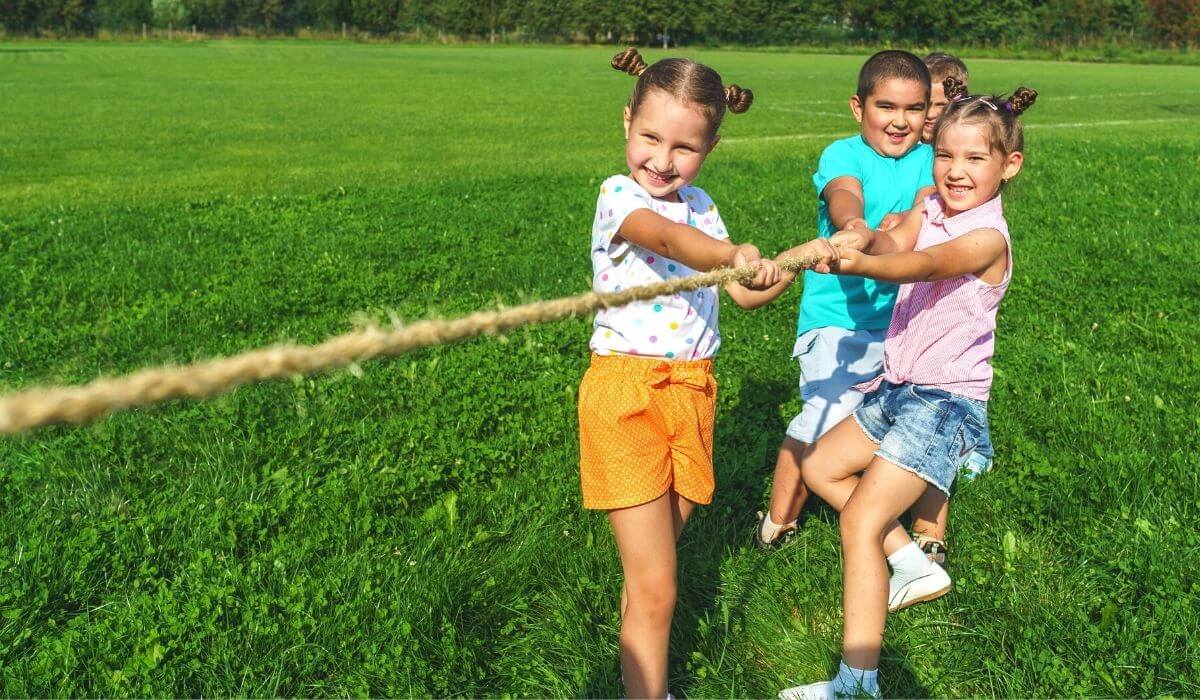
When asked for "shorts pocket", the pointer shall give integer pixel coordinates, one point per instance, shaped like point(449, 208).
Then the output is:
point(805, 342)
point(936, 400)
point(966, 439)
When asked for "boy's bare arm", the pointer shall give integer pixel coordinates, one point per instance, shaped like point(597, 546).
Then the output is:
point(844, 197)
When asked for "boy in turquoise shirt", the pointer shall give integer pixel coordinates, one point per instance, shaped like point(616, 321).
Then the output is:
point(884, 169)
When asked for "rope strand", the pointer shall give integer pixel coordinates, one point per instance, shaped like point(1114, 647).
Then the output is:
point(33, 408)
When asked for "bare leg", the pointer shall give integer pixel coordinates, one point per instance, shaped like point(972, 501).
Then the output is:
point(931, 513)
point(645, 537)
point(831, 470)
point(681, 510)
point(884, 492)
point(788, 492)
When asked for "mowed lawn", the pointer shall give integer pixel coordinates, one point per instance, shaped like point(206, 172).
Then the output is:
point(418, 530)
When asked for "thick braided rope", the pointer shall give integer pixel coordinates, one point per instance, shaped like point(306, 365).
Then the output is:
point(32, 408)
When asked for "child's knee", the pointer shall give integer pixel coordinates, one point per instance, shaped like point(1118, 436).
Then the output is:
point(817, 473)
point(654, 596)
point(812, 473)
point(859, 524)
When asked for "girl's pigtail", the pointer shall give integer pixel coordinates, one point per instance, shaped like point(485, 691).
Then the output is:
point(1021, 100)
point(629, 61)
point(738, 98)
point(955, 89)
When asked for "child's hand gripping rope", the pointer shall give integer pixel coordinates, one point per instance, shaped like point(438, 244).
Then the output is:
point(33, 408)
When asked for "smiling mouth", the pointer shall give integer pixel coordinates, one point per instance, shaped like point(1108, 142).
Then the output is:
point(657, 177)
point(959, 190)
point(896, 137)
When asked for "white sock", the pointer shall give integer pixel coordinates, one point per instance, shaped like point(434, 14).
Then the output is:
point(855, 682)
point(909, 562)
point(770, 529)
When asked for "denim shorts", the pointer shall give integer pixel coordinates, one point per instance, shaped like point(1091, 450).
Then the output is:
point(927, 431)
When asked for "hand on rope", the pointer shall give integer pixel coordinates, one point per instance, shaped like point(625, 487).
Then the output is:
point(33, 408)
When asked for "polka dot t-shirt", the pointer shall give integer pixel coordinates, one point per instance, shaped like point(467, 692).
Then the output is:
point(678, 327)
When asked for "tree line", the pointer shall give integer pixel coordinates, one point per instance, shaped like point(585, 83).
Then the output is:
point(642, 22)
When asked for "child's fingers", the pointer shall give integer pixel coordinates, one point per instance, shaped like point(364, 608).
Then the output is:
point(766, 275)
point(771, 273)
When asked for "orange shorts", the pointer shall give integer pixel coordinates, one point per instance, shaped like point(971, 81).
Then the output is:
point(645, 426)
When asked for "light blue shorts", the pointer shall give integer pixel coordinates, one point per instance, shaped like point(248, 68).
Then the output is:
point(832, 360)
point(922, 429)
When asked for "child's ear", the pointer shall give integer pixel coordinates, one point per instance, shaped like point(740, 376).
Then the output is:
point(856, 108)
point(628, 120)
point(1012, 165)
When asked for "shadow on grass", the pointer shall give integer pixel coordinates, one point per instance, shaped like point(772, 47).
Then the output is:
point(896, 676)
point(747, 438)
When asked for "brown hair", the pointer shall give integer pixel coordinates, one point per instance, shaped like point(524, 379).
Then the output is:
point(888, 64)
point(999, 113)
point(943, 65)
point(686, 81)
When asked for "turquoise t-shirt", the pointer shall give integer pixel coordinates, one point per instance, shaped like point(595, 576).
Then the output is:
point(889, 185)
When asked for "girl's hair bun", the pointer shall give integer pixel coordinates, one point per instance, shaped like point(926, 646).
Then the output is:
point(739, 99)
point(629, 61)
point(1022, 99)
point(955, 88)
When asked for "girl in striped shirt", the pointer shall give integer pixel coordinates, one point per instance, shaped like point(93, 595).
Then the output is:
point(928, 409)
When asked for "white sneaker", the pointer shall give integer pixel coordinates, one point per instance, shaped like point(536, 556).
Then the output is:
point(824, 690)
point(933, 585)
point(812, 691)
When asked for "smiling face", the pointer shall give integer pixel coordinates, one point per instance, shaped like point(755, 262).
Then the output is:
point(893, 115)
point(666, 142)
point(937, 103)
point(967, 170)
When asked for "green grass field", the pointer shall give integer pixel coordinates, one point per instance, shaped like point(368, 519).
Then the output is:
point(418, 531)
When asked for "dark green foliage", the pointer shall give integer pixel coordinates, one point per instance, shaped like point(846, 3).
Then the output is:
point(123, 15)
point(1173, 23)
point(417, 531)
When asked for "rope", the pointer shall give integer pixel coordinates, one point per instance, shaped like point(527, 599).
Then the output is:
point(33, 408)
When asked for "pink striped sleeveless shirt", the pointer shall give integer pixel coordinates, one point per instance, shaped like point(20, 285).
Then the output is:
point(942, 333)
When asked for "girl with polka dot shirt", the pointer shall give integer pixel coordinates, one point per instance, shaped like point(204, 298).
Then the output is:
point(648, 399)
